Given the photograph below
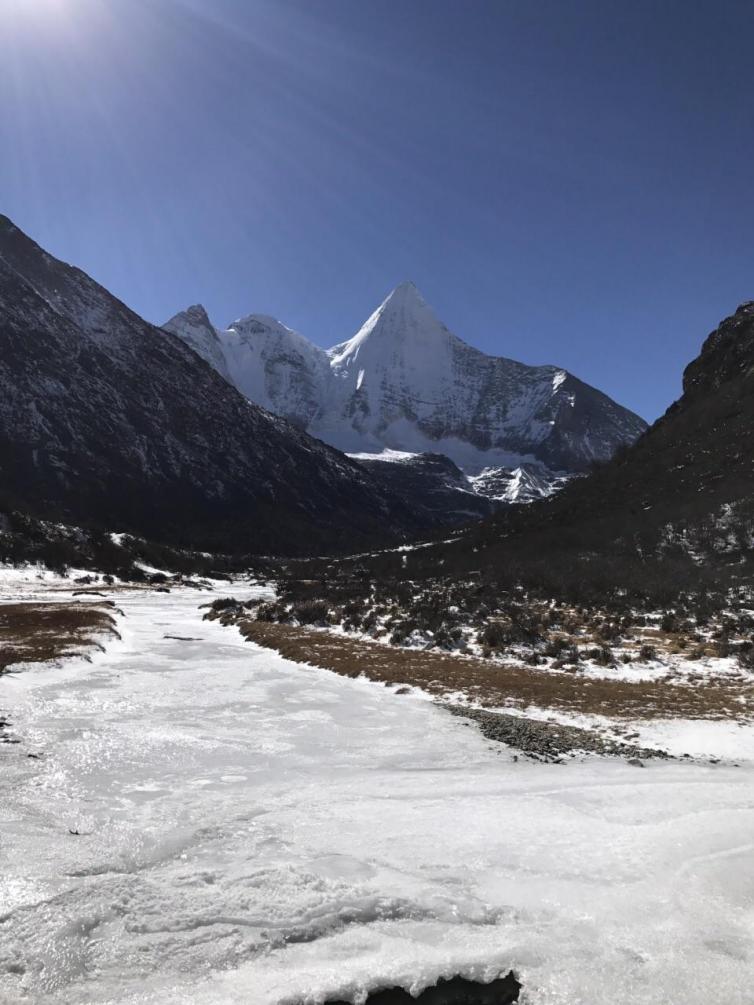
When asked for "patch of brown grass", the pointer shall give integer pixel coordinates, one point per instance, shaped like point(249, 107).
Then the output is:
point(34, 633)
point(493, 685)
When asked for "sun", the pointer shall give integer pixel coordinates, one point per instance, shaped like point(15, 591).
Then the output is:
point(33, 8)
point(18, 13)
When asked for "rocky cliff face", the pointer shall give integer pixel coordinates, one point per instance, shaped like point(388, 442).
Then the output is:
point(198, 334)
point(106, 420)
point(672, 513)
point(432, 486)
point(525, 484)
point(406, 383)
point(727, 354)
point(270, 364)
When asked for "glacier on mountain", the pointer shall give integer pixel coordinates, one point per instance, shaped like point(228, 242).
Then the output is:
point(404, 384)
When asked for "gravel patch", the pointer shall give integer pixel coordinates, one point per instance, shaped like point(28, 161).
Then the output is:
point(548, 741)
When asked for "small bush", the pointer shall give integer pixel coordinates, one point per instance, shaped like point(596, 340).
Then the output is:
point(555, 647)
point(603, 656)
point(493, 636)
point(224, 604)
point(722, 648)
point(272, 611)
point(669, 622)
point(311, 612)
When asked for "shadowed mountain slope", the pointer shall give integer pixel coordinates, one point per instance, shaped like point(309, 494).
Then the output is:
point(673, 512)
point(106, 421)
point(677, 503)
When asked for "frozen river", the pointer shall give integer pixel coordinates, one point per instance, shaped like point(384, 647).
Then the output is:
point(250, 830)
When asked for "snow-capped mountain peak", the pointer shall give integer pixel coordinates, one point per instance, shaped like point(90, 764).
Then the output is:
point(404, 319)
point(258, 328)
point(257, 324)
point(404, 382)
point(197, 314)
point(270, 363)
point(107, 422)
point(195, 328)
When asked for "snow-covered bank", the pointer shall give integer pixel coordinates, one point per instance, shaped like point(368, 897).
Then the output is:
point(251, 830)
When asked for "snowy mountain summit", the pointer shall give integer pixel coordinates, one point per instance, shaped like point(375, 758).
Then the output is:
point(106, 422)
point(404, 382)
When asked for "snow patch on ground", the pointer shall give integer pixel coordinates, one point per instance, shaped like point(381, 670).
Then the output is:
point(252, 830)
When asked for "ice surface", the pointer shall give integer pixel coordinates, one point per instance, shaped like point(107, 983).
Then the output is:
point(253, 830)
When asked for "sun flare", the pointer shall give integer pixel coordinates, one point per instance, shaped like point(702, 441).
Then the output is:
point(35, 13)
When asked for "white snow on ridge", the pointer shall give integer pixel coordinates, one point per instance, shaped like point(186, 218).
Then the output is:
point(405, 383)
point(522, 484)
point(386, 454)
point(253, 830)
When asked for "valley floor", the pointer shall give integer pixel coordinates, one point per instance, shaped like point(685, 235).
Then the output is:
point(609, 714)
point(204, 821)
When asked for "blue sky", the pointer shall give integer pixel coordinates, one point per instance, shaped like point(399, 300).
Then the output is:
point(566, 182)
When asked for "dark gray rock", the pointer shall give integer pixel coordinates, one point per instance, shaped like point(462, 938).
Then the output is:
point(107, 421)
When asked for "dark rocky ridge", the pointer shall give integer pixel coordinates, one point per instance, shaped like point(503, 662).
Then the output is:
point(727, 354)
point(106, 421)
point(672, 513)
point(677, 503)
point(432, 486)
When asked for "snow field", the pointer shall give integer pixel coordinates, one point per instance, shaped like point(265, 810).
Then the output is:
point(253, 830)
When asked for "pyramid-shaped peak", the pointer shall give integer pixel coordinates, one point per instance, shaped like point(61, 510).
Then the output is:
point(404, 317)
point(404, 295)
point(403, 313)
point(407, 286)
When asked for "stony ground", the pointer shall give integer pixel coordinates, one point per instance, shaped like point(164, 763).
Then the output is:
point(549, 741)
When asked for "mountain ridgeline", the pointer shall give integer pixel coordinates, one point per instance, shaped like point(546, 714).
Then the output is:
point(108, 422)
point(405, 384)
point(231, 440)
point(672, 513)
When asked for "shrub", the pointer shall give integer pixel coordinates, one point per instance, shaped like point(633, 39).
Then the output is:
point(493, 636)
point(555, 647)
point(668, 622)
point(603, 656)
point(442, 639)
point(272, 611)
point(311, 612)
point(609, 632)
point(224, 604)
